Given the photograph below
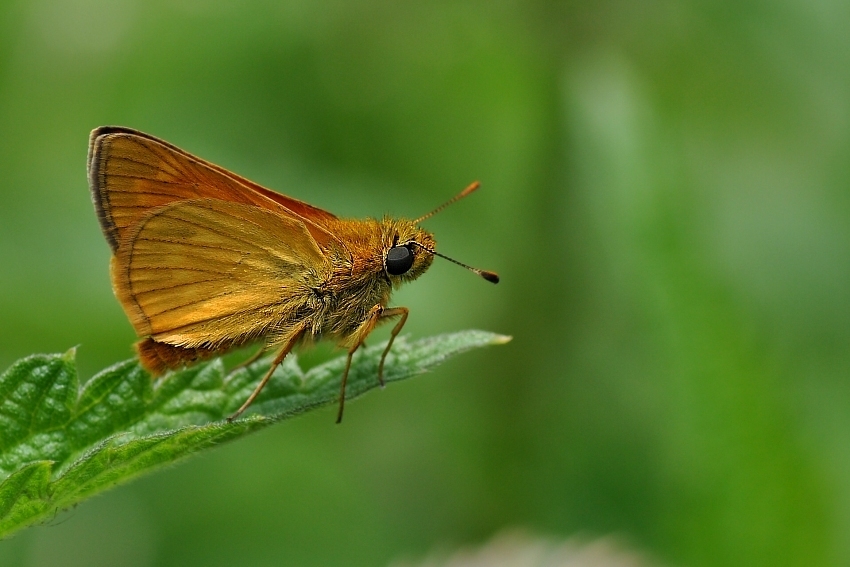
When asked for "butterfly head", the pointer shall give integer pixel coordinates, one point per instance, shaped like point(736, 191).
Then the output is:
point(408, 250)
point(411, 249)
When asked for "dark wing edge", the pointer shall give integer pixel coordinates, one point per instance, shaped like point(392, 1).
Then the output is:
point(98, 194)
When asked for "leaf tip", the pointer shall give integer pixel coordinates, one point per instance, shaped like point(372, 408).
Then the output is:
point(70, 355)
point(502, 339)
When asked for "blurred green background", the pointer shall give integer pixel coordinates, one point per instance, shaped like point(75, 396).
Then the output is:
point(665, 195)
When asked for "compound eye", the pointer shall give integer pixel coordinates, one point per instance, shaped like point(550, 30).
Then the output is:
point(399, 260)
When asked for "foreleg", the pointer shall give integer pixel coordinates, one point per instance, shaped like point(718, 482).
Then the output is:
point(358, 337)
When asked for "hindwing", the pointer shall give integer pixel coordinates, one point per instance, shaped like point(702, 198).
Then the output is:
point(210, 273)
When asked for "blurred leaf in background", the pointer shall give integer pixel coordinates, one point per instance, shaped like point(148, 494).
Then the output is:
point(514, 548)
point(664, 195)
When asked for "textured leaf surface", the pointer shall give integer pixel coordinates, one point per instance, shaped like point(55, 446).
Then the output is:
point(60, 443)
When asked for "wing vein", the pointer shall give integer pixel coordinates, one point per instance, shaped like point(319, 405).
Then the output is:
point(209, 297)
point(133, 268)
point(229, 235)
point(175, 286)
point(189, 244)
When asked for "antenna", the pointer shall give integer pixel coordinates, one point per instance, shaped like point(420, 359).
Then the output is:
point(489, 276)
point(472, 187)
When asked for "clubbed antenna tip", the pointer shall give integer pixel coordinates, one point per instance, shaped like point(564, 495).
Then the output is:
point(489, 276)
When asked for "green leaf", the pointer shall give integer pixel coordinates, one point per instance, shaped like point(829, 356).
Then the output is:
point(60, 443)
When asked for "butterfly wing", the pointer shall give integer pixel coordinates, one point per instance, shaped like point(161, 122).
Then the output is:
point(212, 274)
point(131, 173)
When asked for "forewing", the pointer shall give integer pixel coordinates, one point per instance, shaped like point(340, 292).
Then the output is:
point(209, 273)
point(131, 173)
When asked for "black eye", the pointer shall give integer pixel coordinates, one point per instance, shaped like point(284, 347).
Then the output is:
point(399, 260)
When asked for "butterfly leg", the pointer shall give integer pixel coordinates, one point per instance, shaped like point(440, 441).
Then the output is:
point(250, 360)
point(344, 380)
point(402, 312)
point(277, 360)
point(358, 337)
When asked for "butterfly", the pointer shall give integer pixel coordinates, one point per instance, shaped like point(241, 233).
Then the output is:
point(205, 260)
